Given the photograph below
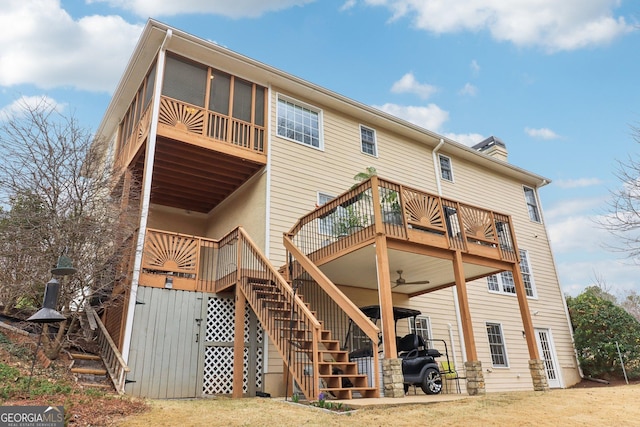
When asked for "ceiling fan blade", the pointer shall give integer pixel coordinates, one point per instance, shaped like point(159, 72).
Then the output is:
point(402, 281)
point(419, 282)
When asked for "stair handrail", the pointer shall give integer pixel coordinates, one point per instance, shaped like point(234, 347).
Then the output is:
point(111, 356)
point(280, 278)
point(350, 309)
point(309, 389)
point(363, 322)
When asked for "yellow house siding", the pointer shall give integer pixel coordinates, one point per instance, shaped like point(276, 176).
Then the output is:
point(299, 172)
point(246, 207)
point(480, 186)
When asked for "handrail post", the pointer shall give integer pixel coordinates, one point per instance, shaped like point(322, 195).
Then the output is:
point(377, 208)
point(315, 361)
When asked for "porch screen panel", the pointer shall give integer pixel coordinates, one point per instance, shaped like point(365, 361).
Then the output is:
point(259, 109)
point(242, 100)
point(184, 81)
point(219, 92)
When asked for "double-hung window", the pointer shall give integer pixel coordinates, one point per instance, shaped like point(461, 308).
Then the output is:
point(368, 141)
point(446, 170)
point(503, 282)
point(532, 204)
point(497, 346)
point(421, 326)
point(299, 122)
point(325, 225)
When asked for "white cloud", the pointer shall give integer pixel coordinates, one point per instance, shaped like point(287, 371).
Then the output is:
point(578, 183)
point(430, 117)
point(571, 207)
point(542, 133)
point(41, 44)
point(618, 274)
point(551, 24)
point(232, 9)
point(18, 106)
point(475, 67)
point(349, 4)
point(577, 233)
point(409, 84)
point(468, 139)
point(468, 89)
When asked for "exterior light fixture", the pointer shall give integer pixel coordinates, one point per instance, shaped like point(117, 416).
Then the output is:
point(48, 313)
point(168, 282)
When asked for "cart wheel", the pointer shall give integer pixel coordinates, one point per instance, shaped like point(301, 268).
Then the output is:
point(432, 381)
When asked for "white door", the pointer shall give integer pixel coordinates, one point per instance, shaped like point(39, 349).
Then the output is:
point(548, 356)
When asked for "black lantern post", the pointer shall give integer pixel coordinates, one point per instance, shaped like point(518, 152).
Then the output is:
point(48, 312)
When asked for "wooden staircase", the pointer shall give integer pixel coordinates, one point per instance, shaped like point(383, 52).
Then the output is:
point(294, 337)
point(90, 371)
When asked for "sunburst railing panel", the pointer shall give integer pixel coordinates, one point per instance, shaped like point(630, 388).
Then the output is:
point(182, 116)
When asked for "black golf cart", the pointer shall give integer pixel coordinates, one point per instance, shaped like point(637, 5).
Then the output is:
point(419, 367)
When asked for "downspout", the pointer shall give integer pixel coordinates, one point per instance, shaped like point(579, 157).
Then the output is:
point(146, 195)
point(267, 221)
point(454, 290)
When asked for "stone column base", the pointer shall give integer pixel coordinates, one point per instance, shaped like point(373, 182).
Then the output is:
point(475, 378)
point(538, 375)
point(392, 378)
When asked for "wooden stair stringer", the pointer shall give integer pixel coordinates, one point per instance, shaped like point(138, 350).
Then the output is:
point(335, 371)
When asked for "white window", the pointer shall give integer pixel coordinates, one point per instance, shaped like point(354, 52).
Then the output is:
point(299, 122)
point(325, 225)
point(532, 204)
point(368, 141)
point(503, 282)
point(496, 345)
point(446, 171)
point(421, 326)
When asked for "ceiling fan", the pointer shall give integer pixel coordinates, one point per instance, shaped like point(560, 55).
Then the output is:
point(402, 281)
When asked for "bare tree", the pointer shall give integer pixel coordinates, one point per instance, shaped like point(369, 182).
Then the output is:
point(623, 216)
point(58, 196)
point(631, 303)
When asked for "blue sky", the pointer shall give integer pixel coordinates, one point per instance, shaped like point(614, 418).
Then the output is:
point(557, 81)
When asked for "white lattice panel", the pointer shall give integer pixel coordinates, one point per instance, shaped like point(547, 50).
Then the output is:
point(220, 313)
point(218, 370)
point(218, 364)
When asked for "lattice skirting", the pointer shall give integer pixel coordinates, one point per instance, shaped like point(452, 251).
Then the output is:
point(218, 356)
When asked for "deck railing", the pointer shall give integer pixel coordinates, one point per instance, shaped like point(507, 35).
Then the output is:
point(131, 145)
point(178, 261)
point(218, 127)
point(406, 213)
point(197, 120)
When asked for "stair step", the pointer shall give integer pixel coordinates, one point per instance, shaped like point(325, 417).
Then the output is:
point(104, 386)
point(89, 371)
point(347, 392)
point(85, 356)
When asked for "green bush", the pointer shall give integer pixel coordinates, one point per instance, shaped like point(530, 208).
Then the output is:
point(599, 323)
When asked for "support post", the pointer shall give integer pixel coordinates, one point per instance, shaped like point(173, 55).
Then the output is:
point(473, 367)
point(536, 365)
point(391, 365)
point(238, 343)
point(463, 302)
